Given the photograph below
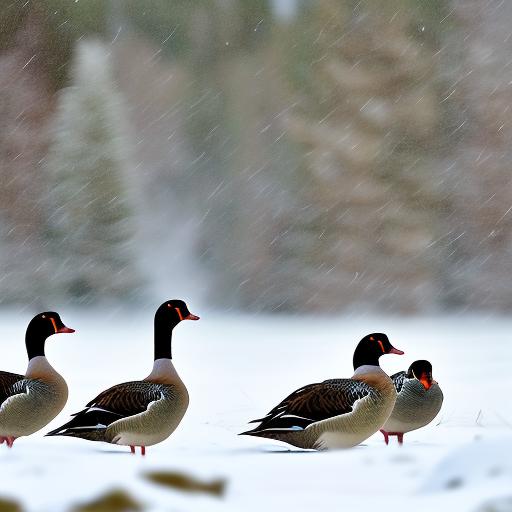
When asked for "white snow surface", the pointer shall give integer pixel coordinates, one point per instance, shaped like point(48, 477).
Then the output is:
point(237, 367)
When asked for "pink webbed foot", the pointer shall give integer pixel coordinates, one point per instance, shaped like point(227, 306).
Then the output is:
point(386, 436)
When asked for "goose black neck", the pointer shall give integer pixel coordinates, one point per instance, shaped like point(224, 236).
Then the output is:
point(34, 342)
point(163, 338)
point(363, 355)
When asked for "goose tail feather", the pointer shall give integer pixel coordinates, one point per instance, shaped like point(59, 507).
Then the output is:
point(90, 424)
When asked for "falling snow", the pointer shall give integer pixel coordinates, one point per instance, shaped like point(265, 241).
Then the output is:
point(276, 156)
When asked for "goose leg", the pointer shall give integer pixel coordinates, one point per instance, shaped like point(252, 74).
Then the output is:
point(386, 436)
point(132, 449)
point(400, 437)
point(2, 439)
point(10, 441)
point(143, 450)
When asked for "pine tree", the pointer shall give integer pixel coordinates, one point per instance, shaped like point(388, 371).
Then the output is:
point(476, 156)
point(90, 227)
point(368, 120)
point(25, 112)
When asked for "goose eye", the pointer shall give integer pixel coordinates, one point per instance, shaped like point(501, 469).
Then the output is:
point(43, 316)
point(169, 306)
point(372, 338)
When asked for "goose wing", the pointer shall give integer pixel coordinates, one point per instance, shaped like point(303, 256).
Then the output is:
point(11, 384)
point(128, 398)
point(313, 403)
point(120, 401)
point(398, 380)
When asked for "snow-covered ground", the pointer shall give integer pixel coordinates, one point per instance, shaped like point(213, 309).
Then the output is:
point(236, 369)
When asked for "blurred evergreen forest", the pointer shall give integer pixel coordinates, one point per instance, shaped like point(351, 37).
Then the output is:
point(264, 155)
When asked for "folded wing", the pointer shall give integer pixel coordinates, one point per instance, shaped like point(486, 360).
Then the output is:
point(11, 384)
point(398, 380)
point(117, 402)
point(312, 403)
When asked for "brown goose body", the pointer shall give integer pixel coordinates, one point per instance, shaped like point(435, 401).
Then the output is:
point(139, 413)
point(35, 399)
point(336, 413)
point(363, 403)
point(29, 402)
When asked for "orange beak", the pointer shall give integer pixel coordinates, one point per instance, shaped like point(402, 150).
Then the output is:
point(191, 317)
point(62, 329)
point(65, 329)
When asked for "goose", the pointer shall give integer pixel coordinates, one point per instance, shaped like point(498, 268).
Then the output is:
point(418, 402)
point(336, 413)
point(29, 402)
point(144, 412)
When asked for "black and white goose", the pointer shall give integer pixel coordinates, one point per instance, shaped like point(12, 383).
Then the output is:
point(29, 402)
point(336, 413)
point(418, 402)
point(139, 413)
